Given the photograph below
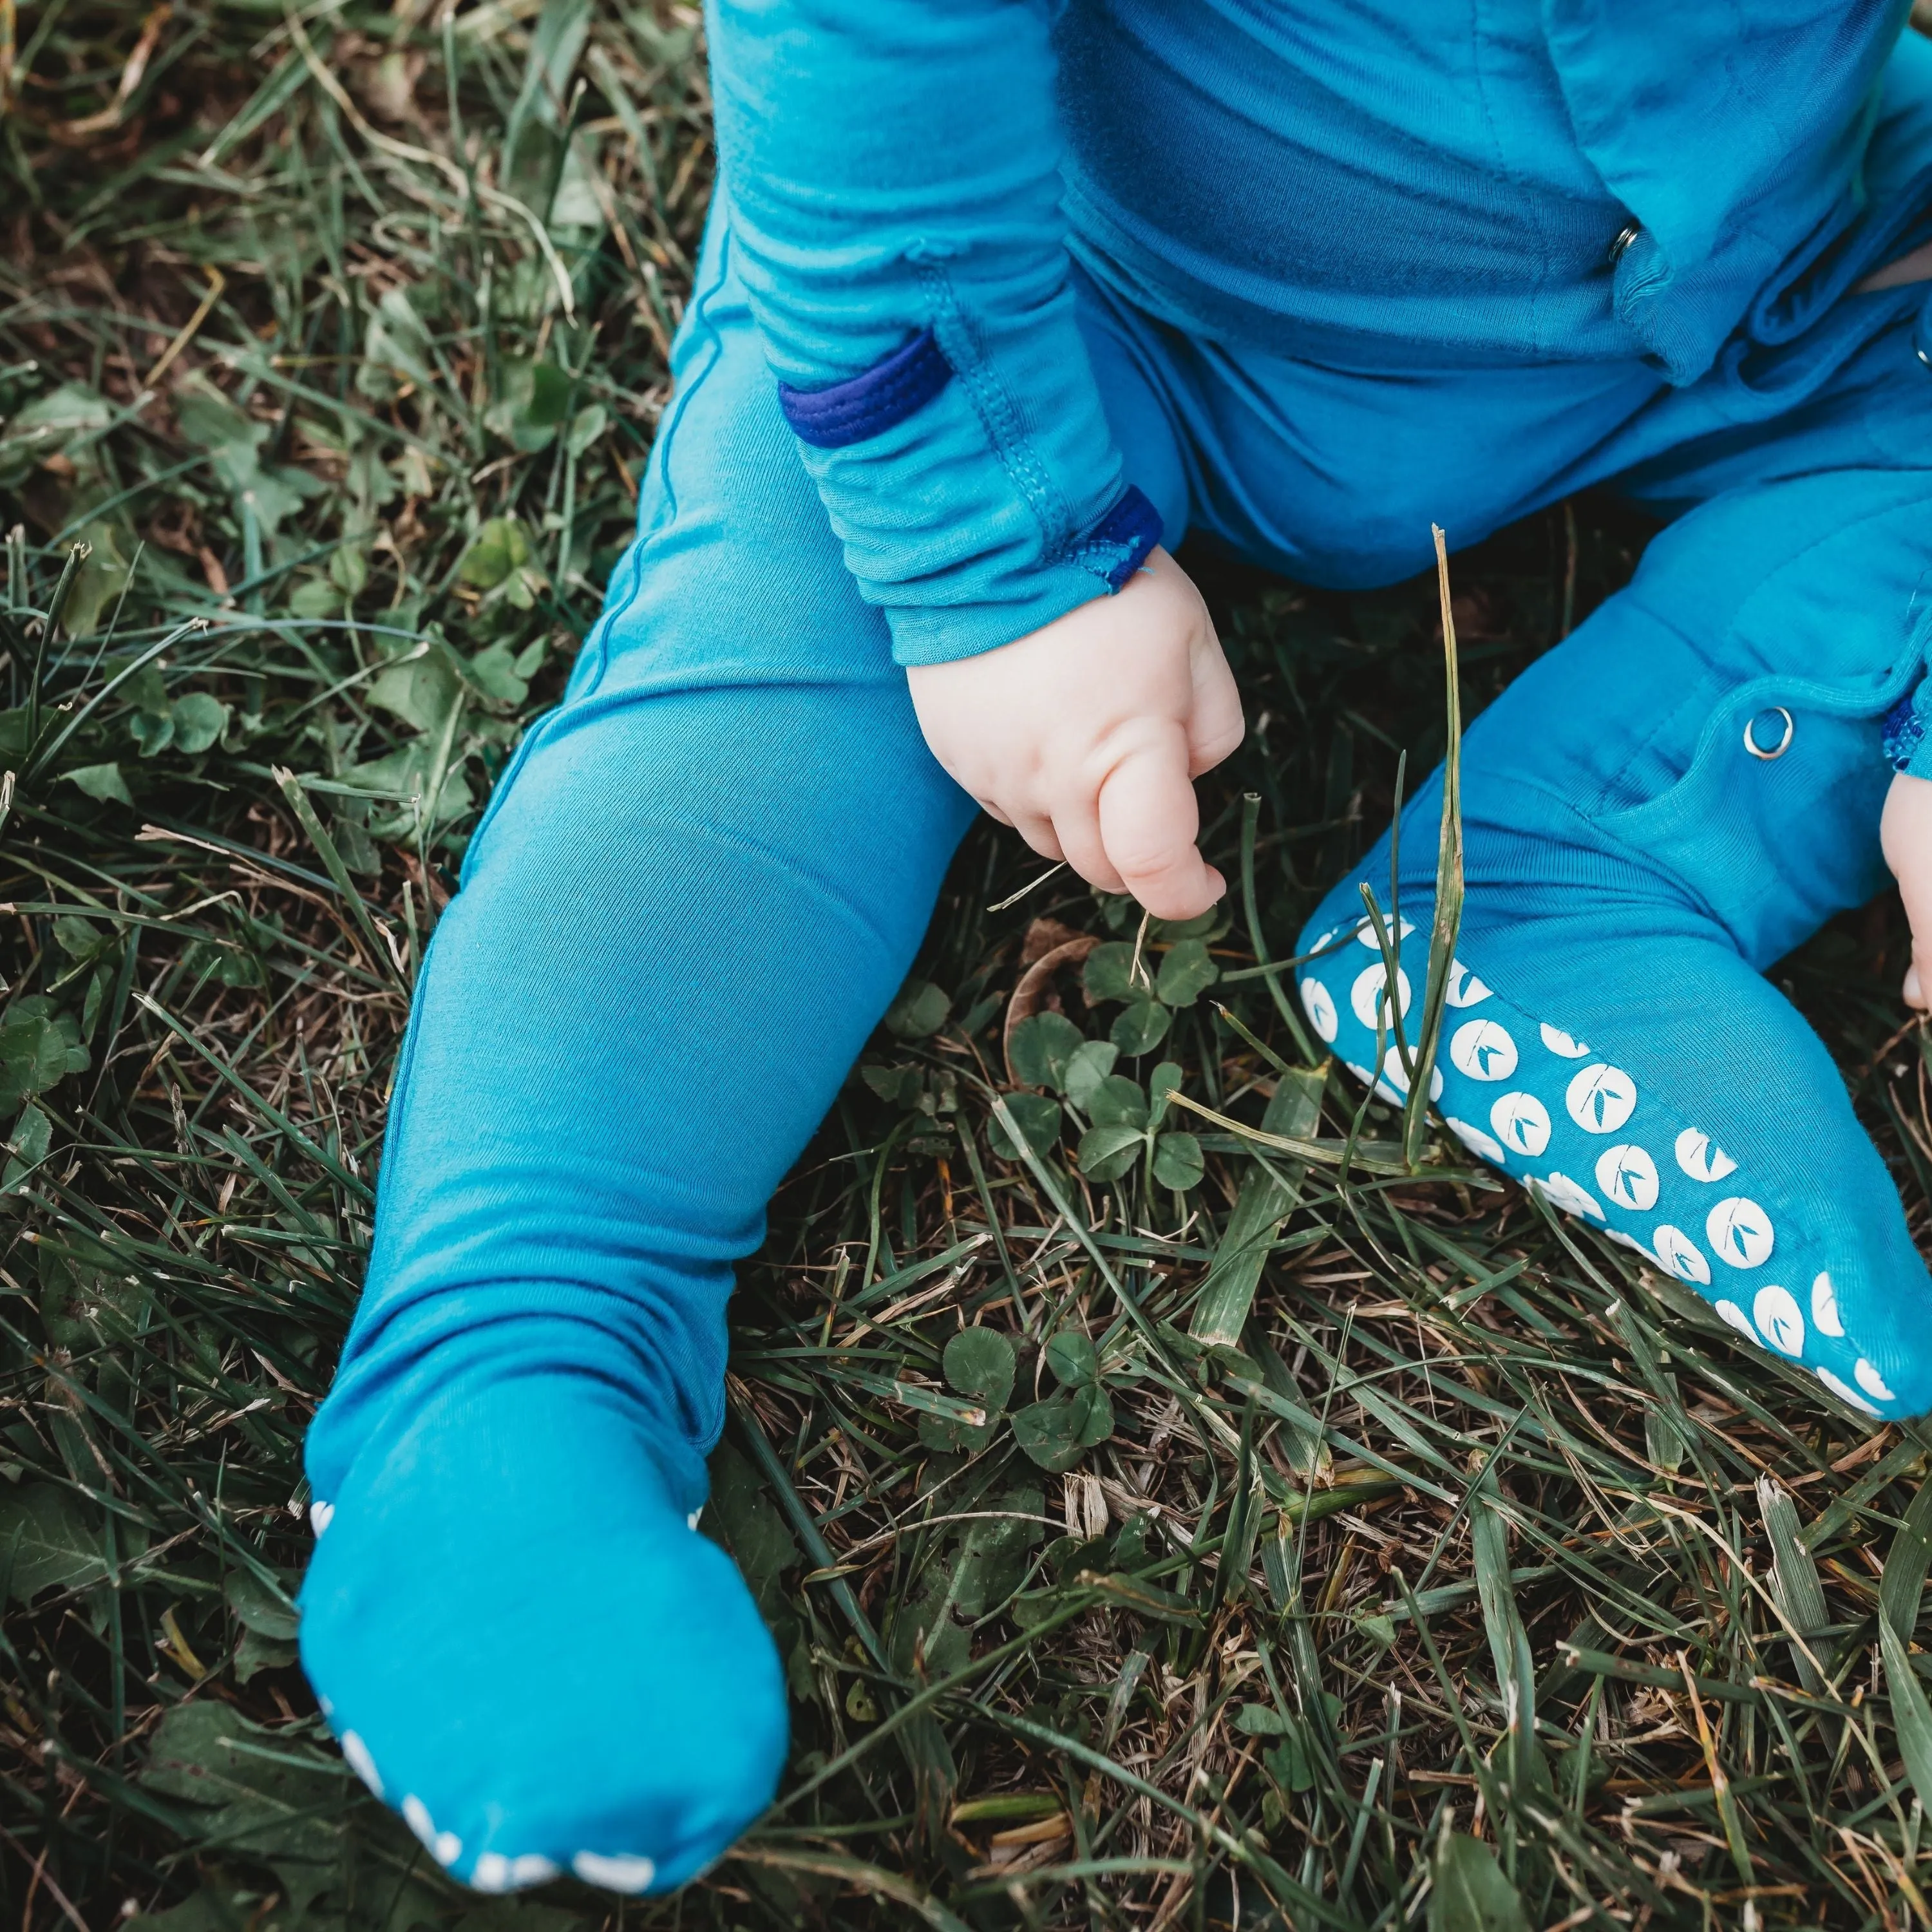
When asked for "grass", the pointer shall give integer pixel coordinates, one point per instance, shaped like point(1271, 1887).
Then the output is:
point(1295, 1533)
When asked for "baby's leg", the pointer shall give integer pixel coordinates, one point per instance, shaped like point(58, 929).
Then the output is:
point(1634, 865)
point(690, 900)
point(686, 911)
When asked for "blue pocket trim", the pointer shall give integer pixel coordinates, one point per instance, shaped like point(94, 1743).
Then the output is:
point(872, 402)
point(1122, 541)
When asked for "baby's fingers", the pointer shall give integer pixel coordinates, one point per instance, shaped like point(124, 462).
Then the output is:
point(1076, 824)
point(1906, 834)
point(1919, 972)
point(1215, 726)
point(1036, 828)
point(1149, 820)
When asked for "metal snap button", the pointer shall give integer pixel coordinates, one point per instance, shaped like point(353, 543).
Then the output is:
point(1768, 735)
point(1626, 236)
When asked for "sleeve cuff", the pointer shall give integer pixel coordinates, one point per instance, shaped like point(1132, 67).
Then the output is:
point(972, 479)
point(1908, 733)
point(1106, 559)
point(869, 403)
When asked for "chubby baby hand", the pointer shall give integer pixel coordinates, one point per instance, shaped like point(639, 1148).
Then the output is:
point(1906, 832)
point(1087, 734)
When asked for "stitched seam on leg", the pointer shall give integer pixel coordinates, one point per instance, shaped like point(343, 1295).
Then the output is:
point(660, 459)
point(613, 612)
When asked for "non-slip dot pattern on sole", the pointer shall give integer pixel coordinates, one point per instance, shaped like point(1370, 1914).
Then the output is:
point(356, 1754)
point(498, 1872)
point(614, 1872)
point(445, 1847)
point(1526, 1095)
point(495, 1872)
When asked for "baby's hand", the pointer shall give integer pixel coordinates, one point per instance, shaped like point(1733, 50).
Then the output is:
point(1087, 734)
point(1905, 833)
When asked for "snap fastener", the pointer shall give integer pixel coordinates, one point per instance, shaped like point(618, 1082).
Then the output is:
point(1759, 730)
point(1626, 236)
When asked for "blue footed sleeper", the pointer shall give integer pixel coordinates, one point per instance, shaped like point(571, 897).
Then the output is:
point(995, 294)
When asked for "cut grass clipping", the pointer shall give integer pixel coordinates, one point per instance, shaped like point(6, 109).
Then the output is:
point(1183, 1495)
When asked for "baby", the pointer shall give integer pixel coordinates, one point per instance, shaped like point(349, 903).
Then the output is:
point(998, 298)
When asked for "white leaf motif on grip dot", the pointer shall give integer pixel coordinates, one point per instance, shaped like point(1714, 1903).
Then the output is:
point(1846, 1393)
point(1740, 1232)
point(1365, 933)
point(320, 1515)
point(1482, 1145)
point(1681, 1256)
point(1869, 1379)
point(1701, 1157)
point(1561, 1191)
point(1464, 988)
point(1825, 1316)
point(1483, 1050)
point(1394, 1085)
point(614, 1871)
point(1368, 997)
point(1740, 1321)
point(1558, 1042)
point(1628, 1175)
point(1601, 1098)
point(1318, 1003)
point(1522, 1123)
point(1775, 1312)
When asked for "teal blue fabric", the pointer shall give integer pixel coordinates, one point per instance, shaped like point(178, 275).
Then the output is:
point(1492, 184)
point(1634, 869)
point(706, 873)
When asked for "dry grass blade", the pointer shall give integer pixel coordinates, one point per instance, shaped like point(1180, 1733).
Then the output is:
point(1448, 920)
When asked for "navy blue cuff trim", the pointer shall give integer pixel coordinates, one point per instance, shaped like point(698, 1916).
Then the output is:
point(872, 402)
point(1904, 731)
point(1122, 541)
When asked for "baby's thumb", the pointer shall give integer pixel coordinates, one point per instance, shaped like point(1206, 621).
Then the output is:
point(1149, 820)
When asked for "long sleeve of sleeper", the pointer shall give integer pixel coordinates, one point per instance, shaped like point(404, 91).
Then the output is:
point(891, 178)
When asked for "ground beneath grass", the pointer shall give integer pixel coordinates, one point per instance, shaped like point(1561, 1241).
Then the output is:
point(1349, 1545)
